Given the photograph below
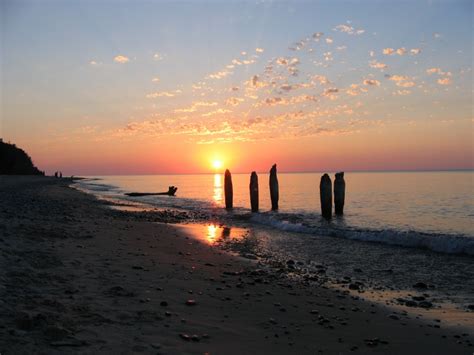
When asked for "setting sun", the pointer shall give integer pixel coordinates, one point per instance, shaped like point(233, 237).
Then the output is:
point(217, 164)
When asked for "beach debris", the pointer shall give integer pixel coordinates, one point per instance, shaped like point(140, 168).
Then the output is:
point(191, 303)
point(325, 192)
point(254, 191)
point(274, 193)
point(171, 192)
point(228, 190)
point(339, 193)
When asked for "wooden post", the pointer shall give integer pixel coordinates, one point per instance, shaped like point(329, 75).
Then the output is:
point(339, 193)
point(228, 190)
point(274, 194)
point(325, 192)
point(254, 191)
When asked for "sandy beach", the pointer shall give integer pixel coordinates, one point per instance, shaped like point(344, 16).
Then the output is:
point(79, 277)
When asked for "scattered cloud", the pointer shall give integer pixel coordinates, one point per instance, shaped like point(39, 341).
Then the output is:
point(348, 29)
point(402, 81)
point(155, 80)
point(444, 81)
point(400, 51)
point(259, 50)
point(233, 101)
point(157, 57)
point(219, 111)
point(157, 94)
point(371, 82)
point(329, 40)
point(219, 74)
point(377, 65)
point(94, 63)
point(121, 59)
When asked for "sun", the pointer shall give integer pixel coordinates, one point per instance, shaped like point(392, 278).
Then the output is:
point(217, 164)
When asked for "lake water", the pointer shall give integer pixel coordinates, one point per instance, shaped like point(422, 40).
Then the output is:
point(433, 210)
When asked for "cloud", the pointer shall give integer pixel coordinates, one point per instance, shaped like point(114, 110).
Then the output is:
point(233, 101)
point(121, 59)
point(371, 82)
point(220, 74)
point(156, 80)
point(94, 63)
point(259, 50)
point(402, 81)
point(321, 79)
point(155, 95)
point(329, 40)
point(216, 112)
point(399, 51)
point(348, 29)
point(194, 107)
point(157, 56)
point(415, 51)
point(377, 65)
point(317, 35)
point(433, 71)
point(444, 81)
point(402, 92)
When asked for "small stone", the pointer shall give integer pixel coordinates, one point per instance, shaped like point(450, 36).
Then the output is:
point(185, 337)
point(191, 303)
point(420, 285)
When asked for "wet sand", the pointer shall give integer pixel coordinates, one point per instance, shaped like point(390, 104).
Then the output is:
point(80, 277)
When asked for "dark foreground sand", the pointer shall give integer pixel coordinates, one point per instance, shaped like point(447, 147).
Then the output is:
point(77, 277)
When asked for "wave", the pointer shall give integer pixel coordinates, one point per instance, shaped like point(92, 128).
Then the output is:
point(443, 243)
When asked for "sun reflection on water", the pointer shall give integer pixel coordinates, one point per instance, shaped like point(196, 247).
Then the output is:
point(217, 196)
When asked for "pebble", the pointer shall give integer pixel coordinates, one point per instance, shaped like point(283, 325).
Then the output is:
point(191, 303)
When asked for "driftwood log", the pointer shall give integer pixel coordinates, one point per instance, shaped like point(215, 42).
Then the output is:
point(325, 191)
point(339, 193)
point(228, 190)
point(274, 193)
point(254, 191)
point(171, 192)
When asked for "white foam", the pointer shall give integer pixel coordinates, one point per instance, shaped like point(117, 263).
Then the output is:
point(444, 243)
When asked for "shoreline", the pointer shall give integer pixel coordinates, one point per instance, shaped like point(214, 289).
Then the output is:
point(81, 278)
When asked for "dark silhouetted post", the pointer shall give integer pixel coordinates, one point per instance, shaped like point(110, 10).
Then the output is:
point(339, 193)
point(254, 191)
point(228, 190)
point(325, 191)
point(274, 194)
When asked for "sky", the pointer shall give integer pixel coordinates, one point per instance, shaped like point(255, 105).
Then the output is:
point(150, 87)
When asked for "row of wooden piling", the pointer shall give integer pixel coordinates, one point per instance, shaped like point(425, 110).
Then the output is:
point(325, 191)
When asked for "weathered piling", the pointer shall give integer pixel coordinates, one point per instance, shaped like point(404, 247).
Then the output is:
point(228, 190)
point(274, 194)
point(254, 191)
point(325, 191)
point(339, 193)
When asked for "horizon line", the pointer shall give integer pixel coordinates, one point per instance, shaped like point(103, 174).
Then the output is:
point(299, 172)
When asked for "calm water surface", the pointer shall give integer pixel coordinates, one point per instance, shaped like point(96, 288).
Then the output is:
point(432, 202)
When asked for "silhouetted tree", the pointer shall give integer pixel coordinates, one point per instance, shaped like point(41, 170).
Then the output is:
point(14, 161)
